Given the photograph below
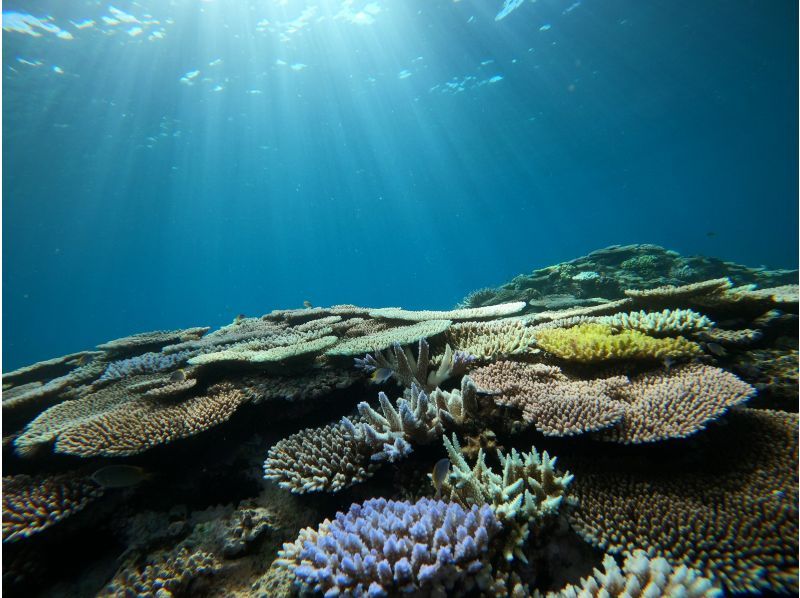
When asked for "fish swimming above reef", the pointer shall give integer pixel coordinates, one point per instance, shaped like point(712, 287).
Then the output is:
point(119, 476)
point(440, 472)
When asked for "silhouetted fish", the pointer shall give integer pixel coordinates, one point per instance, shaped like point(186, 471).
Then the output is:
point(119, 476)
point(440, 472)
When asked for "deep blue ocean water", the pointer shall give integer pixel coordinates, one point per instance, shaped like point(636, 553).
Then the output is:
point(171, 164)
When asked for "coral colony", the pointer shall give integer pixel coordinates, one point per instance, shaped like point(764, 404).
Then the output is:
point(351, 451)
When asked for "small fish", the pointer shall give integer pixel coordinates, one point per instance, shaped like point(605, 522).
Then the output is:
point(711, 233)
point(238, 319)
point(119, 476)
point(716, 349)
point(307, 304)
point(440, 473)
point(177, 376)
point(380, 375)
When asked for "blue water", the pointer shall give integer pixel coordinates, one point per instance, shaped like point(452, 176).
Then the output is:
point(394, 152)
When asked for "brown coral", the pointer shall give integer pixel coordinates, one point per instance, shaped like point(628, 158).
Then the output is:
point(641, 577)
point(675, 403)
point(136, 426)
point(555, 404)
point(727, 508)
point(32, 504)
point(319, 459)
point(163, 574)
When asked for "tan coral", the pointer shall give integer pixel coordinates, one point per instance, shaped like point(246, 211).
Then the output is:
point(135, 426)
point(309, 384)
point(640, 577)
point(245, 354)
point(325, 459)
point(32, 504)
point(384, 339)
point(553, 403)
point(675, 403)
point(728, 508)
point(491, 340)
point(151, 341)
point(467, 313)
point(163, 574)
point(676, 293)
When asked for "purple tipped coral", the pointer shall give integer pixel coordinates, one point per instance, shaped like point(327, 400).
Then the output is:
point(381, 547)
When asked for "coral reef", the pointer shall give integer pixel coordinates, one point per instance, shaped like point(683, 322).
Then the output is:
point(633, 364)
point(384, 547)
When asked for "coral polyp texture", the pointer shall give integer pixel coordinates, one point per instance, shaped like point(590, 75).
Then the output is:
point(553, 403)
point(382, 548)
point(319, 459)
point(735, 504)
point(185, 459)
point(591, 342)
point(31, 504)
point(639, 577)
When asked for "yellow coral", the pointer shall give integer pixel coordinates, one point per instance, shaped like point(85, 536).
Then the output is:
point(597, 342)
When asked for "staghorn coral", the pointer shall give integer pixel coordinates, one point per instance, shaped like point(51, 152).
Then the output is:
point(164, 574)
point(135, 426)
point(660, 323)
point(417, 419)
point(597, 342)
point(640, 577)
point(325, 459)
point(403, 335)
point(676, 403)
point(382, 547)
point(491, 340)
point(728, 508)
point(469, 313)
point(528, 491)
point(553, 403)
point(31, 504)
point(401, 364)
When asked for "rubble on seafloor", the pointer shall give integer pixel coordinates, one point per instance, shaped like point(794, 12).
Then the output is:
point(621, 424)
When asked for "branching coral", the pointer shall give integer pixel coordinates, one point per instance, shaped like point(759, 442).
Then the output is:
point(661, 323)
point(401, 364)
point(491, 340)
point(417, 419)
point(319, 459)
point(528, 490)
point(382, 548)
point(641, 577)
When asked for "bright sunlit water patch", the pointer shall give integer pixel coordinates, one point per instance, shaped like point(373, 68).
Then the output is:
point(205, 159)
